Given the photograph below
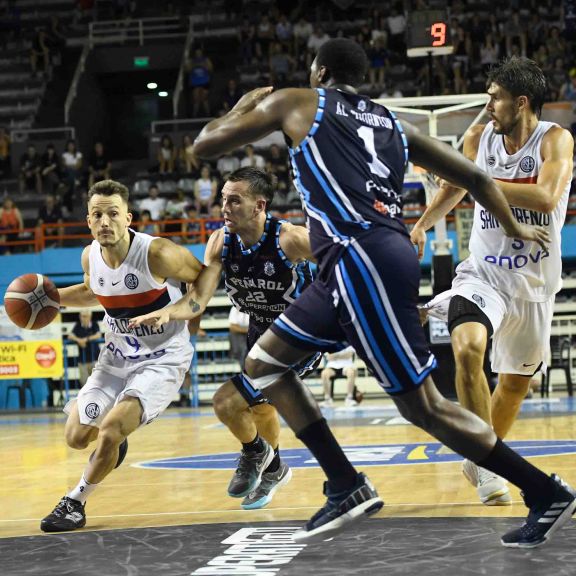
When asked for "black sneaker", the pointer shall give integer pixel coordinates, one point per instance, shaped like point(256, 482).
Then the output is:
point(544, 518)
point(340, 511)
point(68, 515)
point(270, 483)
point(248, 474)
point(122, 450)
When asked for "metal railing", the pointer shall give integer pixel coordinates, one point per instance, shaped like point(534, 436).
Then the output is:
point(180, 82)
point(73, 90)
point(24, 135)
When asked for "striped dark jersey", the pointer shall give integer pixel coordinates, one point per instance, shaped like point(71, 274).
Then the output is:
point(260, 280)
point(349, 170)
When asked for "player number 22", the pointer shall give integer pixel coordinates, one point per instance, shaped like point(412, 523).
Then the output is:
point(376, 165)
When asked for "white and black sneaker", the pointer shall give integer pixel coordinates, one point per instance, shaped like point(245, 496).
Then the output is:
point(67, 516)
point(271, 482)
point(545, 517)
point(492, 489)
point(340, 511)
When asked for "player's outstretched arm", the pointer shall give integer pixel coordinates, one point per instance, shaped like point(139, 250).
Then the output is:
point(450, 165)
point(79, 295)
point(169, 260)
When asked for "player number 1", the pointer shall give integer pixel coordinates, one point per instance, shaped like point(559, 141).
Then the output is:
point(376, 166)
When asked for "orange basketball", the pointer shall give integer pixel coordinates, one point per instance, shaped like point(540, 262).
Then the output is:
point(32, 301)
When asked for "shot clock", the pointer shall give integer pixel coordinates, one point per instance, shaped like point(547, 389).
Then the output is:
point(428, 33)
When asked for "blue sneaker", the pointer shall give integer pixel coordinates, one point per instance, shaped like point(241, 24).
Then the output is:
point(340, 511)
point(271, 481)
point(544, 518)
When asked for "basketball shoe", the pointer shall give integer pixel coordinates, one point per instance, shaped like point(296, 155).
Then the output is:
point(341, 511)
point(271, 481)
point(251, 466)
point(491, 488)
point(68, 515)
point(545, 517)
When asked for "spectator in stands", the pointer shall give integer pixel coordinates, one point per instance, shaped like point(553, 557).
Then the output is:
point(30, 178)
point(265, 33)
point(302, 32)
point(100, 166)
point(284, 31)
point(191, 230)
point(238, 328)
point(568, 90)
point(280, 64)
point(379, 61)
point(40, 51)
point(205, 189)
point(200, 70)
point(51, 213)
point(227, 164)
point(277, 164)
point(147, 224)
point(338, 365)
point(489, 53)
point(85, 333)
point(72, 161)
point(396, 27)
point(231, 95)
point(215, 220)
point(188, 162)
point(247, 40)
point(176, 210)
point(4, 153)
point(252, 159)
point(316, 40)
point(460, 60)
point(11, 224)
point(555, 44)
point(167, 155)
point(50, 169)
point(153, 203)
point(516, 34)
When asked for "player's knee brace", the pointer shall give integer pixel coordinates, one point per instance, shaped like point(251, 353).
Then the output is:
point(259, 355)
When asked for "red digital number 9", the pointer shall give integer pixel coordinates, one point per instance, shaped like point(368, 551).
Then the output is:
point(438, 32)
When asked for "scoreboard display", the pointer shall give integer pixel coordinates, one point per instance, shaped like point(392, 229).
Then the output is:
point(428, 33)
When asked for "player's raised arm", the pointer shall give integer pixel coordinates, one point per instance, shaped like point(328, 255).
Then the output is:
point(79, 295)
point(443, 160)
point(295, 242)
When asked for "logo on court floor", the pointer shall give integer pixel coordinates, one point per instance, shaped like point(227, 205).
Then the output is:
point(371, 455)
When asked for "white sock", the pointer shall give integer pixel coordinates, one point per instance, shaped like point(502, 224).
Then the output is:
point(82, 490)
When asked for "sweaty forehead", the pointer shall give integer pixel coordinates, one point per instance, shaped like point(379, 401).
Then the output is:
point(497, 90)
point(104, 203)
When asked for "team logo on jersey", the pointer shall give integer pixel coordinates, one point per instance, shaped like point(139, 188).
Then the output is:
point(235, 268)
point(101, 281)
point(362, 105)
point(269, 268)
point(527, 164)
point(92, 411)
point(131, 281)
point(491, 160)
point(479, 300)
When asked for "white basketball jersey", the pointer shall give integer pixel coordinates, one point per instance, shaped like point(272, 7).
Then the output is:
point(519, 268)
point(128, 291)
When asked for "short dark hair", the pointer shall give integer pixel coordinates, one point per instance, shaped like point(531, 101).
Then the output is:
point(109, 188)
point(345, 59)
point(521, 77)
point(260, 183)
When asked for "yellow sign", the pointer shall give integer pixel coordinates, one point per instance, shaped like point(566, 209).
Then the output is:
point(30, 359)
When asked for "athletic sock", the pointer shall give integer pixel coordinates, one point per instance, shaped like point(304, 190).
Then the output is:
point(318, 438)
point(275, 464)
point(256, 445)
point(503, 461)
point(82, 490)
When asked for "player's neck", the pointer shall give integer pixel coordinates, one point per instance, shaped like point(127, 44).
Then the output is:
point(253, 233)
point(115, 255)
point(520, 134)
point(343, 87)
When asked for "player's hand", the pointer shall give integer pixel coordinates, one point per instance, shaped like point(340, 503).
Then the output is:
point(251, 99)
point(537, 234)
point(418, 238)
point(157, 319)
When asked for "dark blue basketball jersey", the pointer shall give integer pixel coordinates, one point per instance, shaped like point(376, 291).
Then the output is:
point(260, 280)
point(349, 170)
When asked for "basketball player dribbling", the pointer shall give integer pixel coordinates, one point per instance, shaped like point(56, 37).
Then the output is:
point(348, 156)
point(139, 370)
point(506, 287)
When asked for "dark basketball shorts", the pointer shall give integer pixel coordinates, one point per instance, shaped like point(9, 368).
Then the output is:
point(366, 297)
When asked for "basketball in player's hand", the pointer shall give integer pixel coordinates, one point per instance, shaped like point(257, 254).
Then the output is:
point(32, 301)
